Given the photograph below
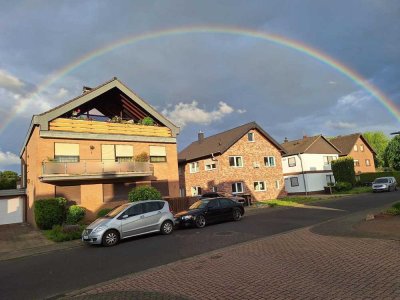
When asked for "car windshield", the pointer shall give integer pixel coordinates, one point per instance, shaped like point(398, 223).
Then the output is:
point(381, 180)
point(116, 210)
point(199, 204)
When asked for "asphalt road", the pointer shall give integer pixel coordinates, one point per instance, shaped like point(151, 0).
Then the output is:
point(55, 273)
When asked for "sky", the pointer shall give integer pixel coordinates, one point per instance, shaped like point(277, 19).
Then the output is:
point(204, 81)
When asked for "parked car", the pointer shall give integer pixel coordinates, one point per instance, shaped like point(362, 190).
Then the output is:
point(129, 220)
point(223, 195)
point(384, 184)
point(210, 210)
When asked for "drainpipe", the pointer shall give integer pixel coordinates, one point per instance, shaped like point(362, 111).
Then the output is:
point(302, 172)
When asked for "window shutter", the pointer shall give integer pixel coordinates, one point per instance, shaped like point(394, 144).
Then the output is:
point(157, 151)
point(107, 152)
point(124, 150)
point(63, 149)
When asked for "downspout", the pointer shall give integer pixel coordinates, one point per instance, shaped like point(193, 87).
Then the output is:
point(302, 172)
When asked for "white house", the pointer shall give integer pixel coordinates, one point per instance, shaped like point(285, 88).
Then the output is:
point(307, 164)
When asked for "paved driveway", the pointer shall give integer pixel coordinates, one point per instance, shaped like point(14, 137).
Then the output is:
point(295, 265)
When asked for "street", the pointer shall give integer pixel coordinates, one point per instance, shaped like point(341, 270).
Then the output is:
point(59, 272)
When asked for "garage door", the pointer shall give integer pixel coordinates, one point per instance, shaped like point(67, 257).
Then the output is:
point(11, 210)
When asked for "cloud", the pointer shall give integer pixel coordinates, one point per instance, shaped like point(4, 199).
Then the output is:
point(8, 159)
point(340, 125)
point(184, 113)
point(9, 81)
point(62, 93)
point(241, 111)
point(357, 99)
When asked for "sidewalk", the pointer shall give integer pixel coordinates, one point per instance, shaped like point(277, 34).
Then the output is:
point(294, 265)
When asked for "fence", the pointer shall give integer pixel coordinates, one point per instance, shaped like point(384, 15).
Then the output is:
point(180, 203)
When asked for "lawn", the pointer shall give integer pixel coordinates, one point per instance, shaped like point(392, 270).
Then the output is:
point(294, 201)
point(356, 190)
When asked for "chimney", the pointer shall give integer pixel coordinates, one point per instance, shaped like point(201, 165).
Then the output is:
point(200, 136)
point(86, 89)
point(285, 140)
point(305, 136)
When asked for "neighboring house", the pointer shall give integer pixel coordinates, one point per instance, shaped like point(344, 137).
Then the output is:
point(242, 160)
point(307, 164)
point(92, 151)
point(357, 147)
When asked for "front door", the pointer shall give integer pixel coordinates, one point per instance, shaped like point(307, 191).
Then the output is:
point(134, 223)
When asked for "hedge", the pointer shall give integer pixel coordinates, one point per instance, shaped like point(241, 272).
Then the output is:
point(370, 177)
point(75, 214)
point(343, 170)
point(50, 212)
point(144, 192)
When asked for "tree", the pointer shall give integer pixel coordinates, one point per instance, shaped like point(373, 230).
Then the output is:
point(8, 180)
point(343, 170)
point(392, 154)
point(378, 141)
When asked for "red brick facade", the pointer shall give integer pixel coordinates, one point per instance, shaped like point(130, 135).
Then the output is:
point(253, 170)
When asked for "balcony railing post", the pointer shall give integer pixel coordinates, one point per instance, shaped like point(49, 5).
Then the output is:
point(85, 167)
point(43, 167)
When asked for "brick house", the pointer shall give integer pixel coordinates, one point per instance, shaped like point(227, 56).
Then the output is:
point(94, 149)
point(357, 147)
point(307, 164)
point(242, 160)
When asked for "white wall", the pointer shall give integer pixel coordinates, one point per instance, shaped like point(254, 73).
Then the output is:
point(11, 210)
point(314, 182)
point(311, 162)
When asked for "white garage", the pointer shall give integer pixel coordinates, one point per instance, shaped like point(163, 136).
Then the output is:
point(12, 206)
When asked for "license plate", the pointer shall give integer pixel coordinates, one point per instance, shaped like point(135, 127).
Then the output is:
point(85, 237)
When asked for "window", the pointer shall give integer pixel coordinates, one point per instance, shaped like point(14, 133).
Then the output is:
point(259, 186)
point(277, 184)
point(330, 179)
point(152, 206)
point(214, 189)
point(328, 159)
point(355, 148)
point(64, 152)
point(292, 161)
point(356, 163)
point(119, 153)
point(158, 154)
point(250, 136)
point(213, 204)
point(196, 190)
point(235, 161)
point(362, 148)
point(294, 181)
point(269, 161)
point(135, 210)
point(367, 162)
point(237, 187)
point(225, 202)
point(210, 165)
point(194, 167)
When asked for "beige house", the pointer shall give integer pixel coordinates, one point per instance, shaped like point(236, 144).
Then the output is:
point(92, 150)
point(243, 160)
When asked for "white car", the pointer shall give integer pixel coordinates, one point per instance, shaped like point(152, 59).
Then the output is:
point(384, 184)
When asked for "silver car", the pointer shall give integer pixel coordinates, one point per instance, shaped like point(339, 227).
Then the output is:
point(384, 184)
point(129, 220)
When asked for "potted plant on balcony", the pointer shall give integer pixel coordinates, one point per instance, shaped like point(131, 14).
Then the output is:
point(142, 157)
point(147, 121)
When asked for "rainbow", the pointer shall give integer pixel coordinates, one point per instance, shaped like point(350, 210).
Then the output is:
point(273, 38)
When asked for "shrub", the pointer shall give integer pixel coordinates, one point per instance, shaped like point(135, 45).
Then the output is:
point(343, 186)
point(396, 206)
point(147, 121)
point(393, 211)
point(142, 157)
point(144, 192)
point(49, 212)
point(60, 234)
point(370, 177)
point(103, 212)
point(343, 170)
point(75, 214)
point(272, 204)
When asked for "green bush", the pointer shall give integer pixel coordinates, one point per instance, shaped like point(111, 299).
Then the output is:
point(147, 121)
point(103, 212)
point(396, 206)
point(370, 177)
point(75, 214)
point(144, 192)
point(343, 186)
point(49, 212)
point(343, 170)
point(60, 234)
point(393, 211)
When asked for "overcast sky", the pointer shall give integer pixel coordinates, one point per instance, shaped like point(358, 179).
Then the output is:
point(204, 81)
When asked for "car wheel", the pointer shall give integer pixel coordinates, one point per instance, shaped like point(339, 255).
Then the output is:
point(110, 238)
point(200, 221)
point(167, 227)
point(237, 215)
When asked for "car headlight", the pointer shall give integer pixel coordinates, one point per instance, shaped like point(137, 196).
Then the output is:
point(100, 228)
point(189, 217)
point(384, 185)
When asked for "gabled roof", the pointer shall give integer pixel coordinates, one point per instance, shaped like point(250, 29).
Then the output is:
point(346, 142)
point(43, 119)
point(221, 142)
point(305, 144)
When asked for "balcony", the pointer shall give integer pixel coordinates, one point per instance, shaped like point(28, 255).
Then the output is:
point(90, 126)
point(92, 169)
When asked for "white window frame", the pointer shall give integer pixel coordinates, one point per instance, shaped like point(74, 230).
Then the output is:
point(277, 184)
point(328, 159)
point(291, 182)
point(267, 161)
point(289, 158)
point(252, 139)
point(257, 184)
point(214, 189)
point(209, 166)
point(235, 161)
point(357, 163)
point(362, 148)
point(196, 190)
point(369, 162)
point(194, 167)
point(355, 148)
point(236, 185)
